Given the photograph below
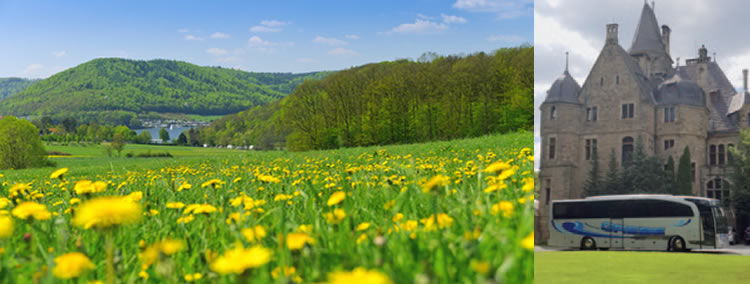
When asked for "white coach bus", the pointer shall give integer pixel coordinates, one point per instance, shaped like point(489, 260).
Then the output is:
point(638, 222)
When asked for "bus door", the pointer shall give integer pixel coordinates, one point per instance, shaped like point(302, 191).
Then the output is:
point(617, 233)
point(708, 228)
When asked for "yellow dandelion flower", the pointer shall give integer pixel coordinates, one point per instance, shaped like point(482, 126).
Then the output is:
point(6, 227)
point(506, 207)
point(359, 275)
point(363, 226)
point(528, 242)
point(193, 277)
point(336, 198)
point(495, 187)
point(105, 212)
point(506, 174)
point(199, 208)
point(434, 182)
point(296, 241)
point(71, 265)
point(254, 234)
point(336, 216)
point(175, 205)
point(184, 186)
point(212, 183)
point(31, 209)
point(268, 179)
point(58, 173)
point(497, 167)
point(239, 259)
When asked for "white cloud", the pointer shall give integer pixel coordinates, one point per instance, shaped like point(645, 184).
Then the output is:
point(37, 70)
point(352, 36)
point(273, 23)
point(506, 9)
point(420, 27)
point(220, 35)
point(60, 53)
point(328, 41)
point(506, 38)
point(450, 19)
point(33, 68)
point(183, 30)
point(262, 45)
point(216, 51)
point(192, 37)
point(264, 29)
point(269, 26)
point(256, 41)
point(341, 51)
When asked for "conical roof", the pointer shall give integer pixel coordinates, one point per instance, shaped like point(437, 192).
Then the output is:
point(647, 36)
point(564, 90)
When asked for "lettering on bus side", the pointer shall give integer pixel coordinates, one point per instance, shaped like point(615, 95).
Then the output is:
point(632, 230)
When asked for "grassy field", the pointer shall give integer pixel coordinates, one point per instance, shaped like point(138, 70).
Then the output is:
point(445, 212)
point(639, 267)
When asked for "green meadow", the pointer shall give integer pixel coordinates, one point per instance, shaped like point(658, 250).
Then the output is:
point(639, 267)
point(444, 212)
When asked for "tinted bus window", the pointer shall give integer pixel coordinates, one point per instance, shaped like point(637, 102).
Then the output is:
point(639, 208)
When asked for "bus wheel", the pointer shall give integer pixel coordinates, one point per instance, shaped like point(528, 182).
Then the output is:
point(588, 244)
point(677, 244)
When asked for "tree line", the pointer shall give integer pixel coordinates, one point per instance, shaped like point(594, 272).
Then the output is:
point(403, 101)
point(643, 174)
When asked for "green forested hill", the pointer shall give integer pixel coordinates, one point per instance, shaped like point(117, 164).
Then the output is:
point(11, 86)
point(161, 86)
point(402, 101)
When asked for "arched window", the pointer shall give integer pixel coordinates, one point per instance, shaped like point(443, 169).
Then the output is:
point(719, 189)
point(627, 150)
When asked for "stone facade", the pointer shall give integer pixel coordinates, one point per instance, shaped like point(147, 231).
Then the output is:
point(639, 94)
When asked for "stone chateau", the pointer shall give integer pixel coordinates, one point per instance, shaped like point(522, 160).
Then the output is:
point(639, 92)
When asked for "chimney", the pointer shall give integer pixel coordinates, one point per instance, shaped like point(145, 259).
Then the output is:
point(744, 79)
point(665, 32)
point(612, 34)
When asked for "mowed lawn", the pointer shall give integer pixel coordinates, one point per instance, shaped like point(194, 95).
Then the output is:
point(639, 267)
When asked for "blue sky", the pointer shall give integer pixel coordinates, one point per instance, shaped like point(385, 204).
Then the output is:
point(40, 38)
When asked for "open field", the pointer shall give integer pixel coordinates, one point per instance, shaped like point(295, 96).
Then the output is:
point(639, 267)
point(315, 213)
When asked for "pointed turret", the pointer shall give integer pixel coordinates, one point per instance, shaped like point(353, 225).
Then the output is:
point(647, 36)
point(650, 45)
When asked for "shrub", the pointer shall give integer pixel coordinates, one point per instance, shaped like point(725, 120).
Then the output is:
point(20, 145)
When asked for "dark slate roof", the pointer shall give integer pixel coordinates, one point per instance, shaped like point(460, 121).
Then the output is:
point(718, 119)
point(676, 91)
point(647, 35)
point(564, 90)
point(716, 81)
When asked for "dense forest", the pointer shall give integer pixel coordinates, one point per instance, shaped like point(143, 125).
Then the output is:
point(404, 101)
point(163, 86)
point(11, 86)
